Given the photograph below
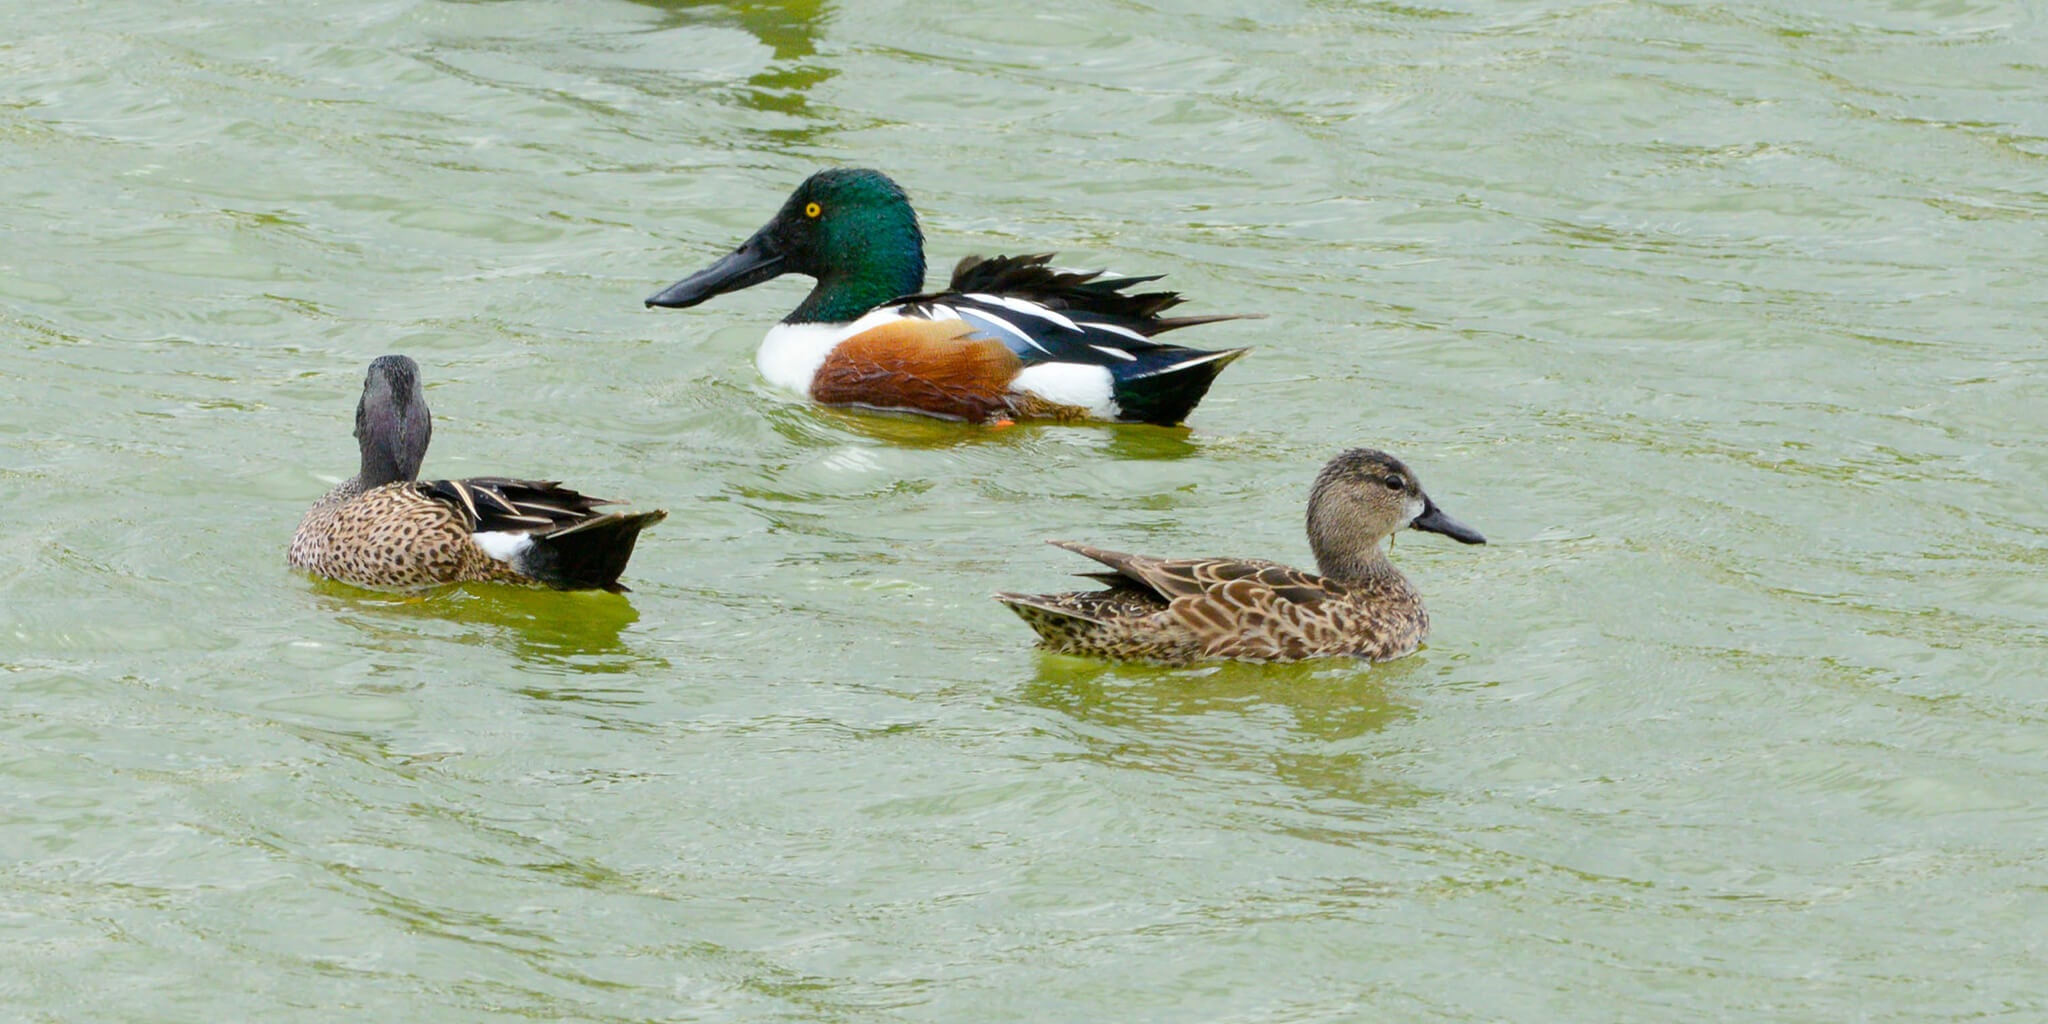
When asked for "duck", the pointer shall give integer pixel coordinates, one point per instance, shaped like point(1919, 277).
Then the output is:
point(1010, 338)
point(1183, 611)
point(386, 529)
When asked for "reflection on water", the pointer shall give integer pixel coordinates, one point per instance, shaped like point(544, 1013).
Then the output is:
point(1295, 724)
point(1329, 699)
point(573, 631)
point(812, 425)
point(789, 28)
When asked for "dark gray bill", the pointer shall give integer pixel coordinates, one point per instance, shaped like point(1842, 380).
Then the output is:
point(1435, 520)
point(755, 261)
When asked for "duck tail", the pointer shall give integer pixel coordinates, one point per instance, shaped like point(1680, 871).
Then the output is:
point(1057, 623)
point(588, 555)
point(1166, 386)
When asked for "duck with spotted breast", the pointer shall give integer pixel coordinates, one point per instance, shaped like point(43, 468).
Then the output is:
point(385, 528)
point(1180, 611)
point(1010, 337)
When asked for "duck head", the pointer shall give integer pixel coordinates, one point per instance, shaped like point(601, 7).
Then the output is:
point(393, 426)
point(852, 229)
point(1362, 497)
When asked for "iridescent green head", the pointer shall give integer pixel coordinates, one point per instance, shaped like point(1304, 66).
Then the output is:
point(852, 229)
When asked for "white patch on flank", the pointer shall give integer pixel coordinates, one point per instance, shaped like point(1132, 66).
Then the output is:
point(1110, 350)
point(500, 545)
point(1113, 329)
point(791, 353)
point(941, 311)
point(1071, 384)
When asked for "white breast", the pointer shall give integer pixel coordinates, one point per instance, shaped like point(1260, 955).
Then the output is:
point(791, 353)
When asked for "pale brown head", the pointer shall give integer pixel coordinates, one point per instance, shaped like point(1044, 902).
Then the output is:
point(392, 422)
point(1363, 497)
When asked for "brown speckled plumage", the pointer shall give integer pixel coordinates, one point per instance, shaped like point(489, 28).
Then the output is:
point(390, 536)
point(1179, 611)
point(384, 528)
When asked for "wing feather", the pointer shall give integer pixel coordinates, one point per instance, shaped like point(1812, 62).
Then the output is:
point(491, 504)
point(1045, 314)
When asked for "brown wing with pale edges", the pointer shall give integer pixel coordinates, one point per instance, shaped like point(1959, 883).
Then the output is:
point(1173, 578)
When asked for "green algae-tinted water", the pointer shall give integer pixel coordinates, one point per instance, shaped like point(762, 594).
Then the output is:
point(1722, 320)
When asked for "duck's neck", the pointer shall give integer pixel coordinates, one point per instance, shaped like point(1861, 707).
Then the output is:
point(1356, 564)
point(380, 467)
point(1345, 546)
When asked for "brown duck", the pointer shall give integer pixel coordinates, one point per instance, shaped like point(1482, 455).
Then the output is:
point(386, 528)
point(1179, 611)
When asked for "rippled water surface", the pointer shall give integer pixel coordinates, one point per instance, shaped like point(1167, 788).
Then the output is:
point(1722, 320)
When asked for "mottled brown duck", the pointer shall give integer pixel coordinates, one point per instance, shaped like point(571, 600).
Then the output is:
point(385, 528)
point(1180, 611)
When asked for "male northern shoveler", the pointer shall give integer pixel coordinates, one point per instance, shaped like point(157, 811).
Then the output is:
point(1010, 337)
point(386, 528)
point(1188, 610)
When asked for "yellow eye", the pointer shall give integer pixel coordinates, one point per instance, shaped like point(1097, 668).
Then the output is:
point(812, 210)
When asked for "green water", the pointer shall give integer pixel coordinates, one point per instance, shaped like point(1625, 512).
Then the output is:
point(1723, 321)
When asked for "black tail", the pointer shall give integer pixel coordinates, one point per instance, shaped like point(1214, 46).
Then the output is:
point(590, 554)
point(1166, 395)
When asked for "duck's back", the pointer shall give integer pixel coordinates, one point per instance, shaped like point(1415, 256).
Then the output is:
point(394, 536)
